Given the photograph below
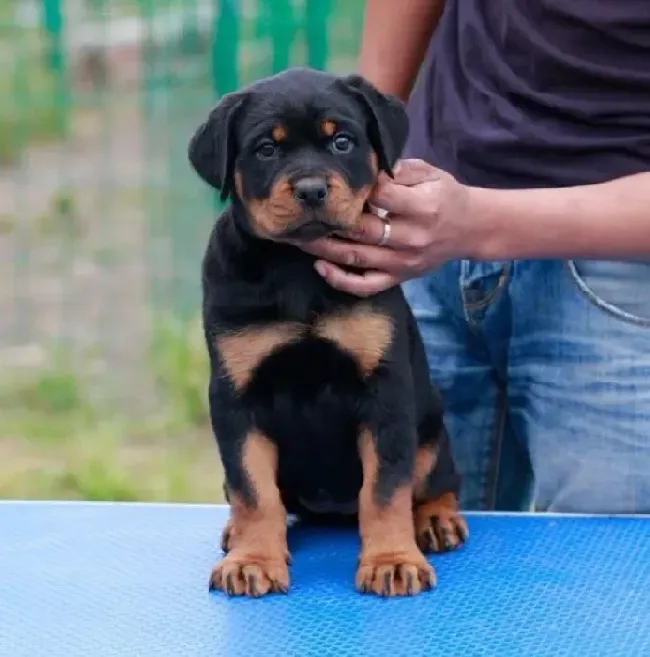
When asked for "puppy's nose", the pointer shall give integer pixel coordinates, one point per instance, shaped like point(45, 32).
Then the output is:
point(310, 191)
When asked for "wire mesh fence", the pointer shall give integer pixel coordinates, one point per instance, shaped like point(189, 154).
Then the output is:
point(102, 223)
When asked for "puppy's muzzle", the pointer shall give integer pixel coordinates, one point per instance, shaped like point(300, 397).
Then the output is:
point(310, 192)
point(310, 230)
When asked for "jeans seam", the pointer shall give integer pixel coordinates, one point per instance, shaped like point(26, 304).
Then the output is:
point(494, 454)
point(599, 303)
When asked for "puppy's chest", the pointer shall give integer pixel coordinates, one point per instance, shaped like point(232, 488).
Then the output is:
point(360, 335)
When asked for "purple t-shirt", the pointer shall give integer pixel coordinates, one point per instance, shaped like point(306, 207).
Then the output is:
point(536, 93)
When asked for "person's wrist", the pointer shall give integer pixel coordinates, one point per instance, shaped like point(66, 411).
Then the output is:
point(386, 83)
point(384, 77)
point(485, 239)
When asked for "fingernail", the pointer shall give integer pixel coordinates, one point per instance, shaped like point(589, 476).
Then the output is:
point(321, 268)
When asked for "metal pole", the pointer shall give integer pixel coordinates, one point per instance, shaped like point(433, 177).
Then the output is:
point(53, 27)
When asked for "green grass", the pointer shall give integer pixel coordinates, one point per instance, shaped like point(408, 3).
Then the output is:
point(33, 103)
point(57, 442)
point(180, 368)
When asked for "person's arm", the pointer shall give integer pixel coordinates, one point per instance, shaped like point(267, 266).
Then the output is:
point(604, 221)
point(394, 42)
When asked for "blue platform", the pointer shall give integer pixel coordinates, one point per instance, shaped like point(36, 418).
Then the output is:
point(100, 580)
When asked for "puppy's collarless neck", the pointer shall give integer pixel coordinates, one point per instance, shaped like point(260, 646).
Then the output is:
point(256, 279)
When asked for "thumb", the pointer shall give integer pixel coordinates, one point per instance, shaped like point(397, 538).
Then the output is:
point(414, 172)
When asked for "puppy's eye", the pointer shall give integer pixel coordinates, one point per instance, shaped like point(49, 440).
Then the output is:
point(266, 150)
point(342, 143)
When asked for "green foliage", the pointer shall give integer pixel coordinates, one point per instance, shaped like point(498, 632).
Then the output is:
point(51, 392)
point(56, 441)
point(179, 362)
point(32, 106)
point(46, 405)
point(95, 479)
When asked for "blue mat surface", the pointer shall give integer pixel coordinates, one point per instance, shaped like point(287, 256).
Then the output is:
point(100, 580)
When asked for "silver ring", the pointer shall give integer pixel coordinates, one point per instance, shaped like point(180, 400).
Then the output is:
point(385, 236)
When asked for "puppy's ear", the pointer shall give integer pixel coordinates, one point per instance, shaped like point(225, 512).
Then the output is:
point(388, 123)
point(212, 149)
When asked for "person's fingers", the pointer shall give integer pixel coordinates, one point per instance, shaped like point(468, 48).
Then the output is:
point(370, 230)
point(362, 284)
point(414, 172)
point(352, 254)
point(396, 195)
point(401, 199)
point(395, 199)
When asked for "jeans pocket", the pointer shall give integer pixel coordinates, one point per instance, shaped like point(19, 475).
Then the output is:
point(619, 288)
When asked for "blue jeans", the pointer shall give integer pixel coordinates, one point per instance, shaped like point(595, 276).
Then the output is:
point(544, 367)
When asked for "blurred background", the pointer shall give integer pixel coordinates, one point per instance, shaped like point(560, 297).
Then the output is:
point(103, 368)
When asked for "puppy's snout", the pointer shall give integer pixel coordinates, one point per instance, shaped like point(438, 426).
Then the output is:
point(311, 192)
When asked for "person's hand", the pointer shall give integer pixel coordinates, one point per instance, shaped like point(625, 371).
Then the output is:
point(428, 214)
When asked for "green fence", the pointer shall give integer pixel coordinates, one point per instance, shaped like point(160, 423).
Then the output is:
point(102, 224)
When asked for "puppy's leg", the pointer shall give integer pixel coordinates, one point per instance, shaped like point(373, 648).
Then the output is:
point(390, 562)
point(439, 526)
point(256, 534)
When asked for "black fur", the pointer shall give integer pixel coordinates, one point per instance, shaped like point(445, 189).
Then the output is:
point(308, 397)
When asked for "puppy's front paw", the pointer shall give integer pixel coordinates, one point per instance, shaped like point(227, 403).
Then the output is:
point(230, 532)
point(251, 574)
point(439, 526)
point(395, 573)
point(226, 536)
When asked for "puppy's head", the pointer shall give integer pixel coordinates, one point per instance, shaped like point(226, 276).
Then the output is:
point(300, 150)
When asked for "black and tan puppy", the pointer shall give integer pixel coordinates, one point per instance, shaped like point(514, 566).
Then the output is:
point(320, 401)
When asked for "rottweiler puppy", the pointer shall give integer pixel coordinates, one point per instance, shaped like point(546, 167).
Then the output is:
point(320, 401)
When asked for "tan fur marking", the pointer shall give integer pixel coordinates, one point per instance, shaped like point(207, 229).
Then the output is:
point(345, 204)
point(439, 525)
point(279, 133)
point(390, 562)
point(272, 215)
point(362, 332)
point(328, 128)
point(256, 535)
point(260, 462)
point(244, 350)
point(426, 458)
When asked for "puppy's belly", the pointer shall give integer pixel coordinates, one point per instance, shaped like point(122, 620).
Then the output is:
point(307, 398)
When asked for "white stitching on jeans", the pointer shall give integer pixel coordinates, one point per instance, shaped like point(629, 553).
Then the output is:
point(609, 308)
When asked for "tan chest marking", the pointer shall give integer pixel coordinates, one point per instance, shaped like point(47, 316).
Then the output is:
point(363, 332)
point(243, 351)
